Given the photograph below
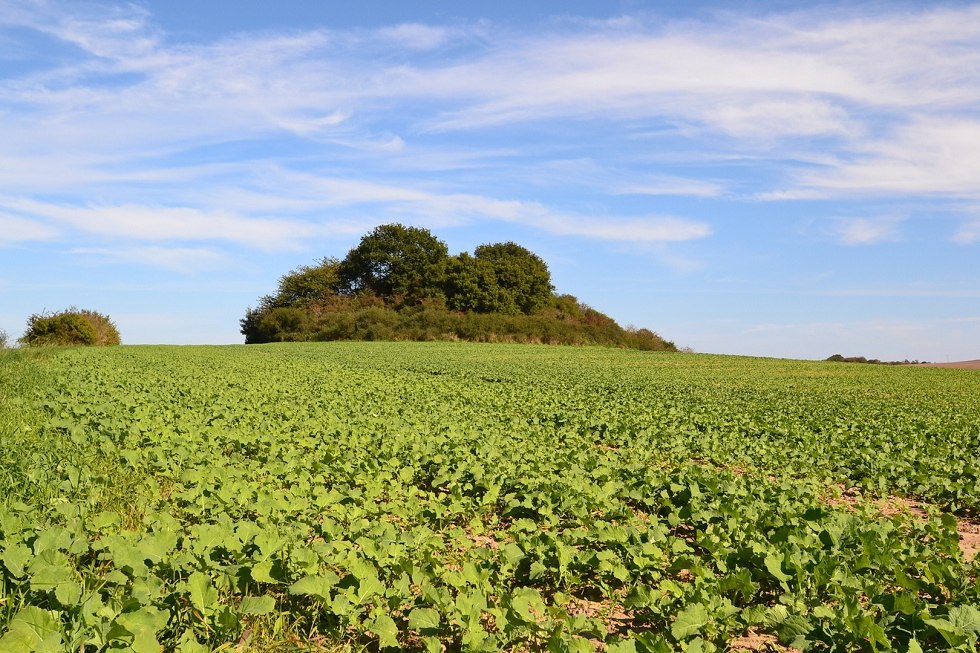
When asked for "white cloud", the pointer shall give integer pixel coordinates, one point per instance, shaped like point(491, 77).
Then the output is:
point(414, 36)
point(865, 231)
point(123, 115)
point(160, 223)
point(648, 230)
point(968, 233)
point(935, 155)
point(178, 259)
point(15, 229)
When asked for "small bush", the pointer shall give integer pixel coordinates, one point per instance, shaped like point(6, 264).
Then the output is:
point(70, 327)
point(4, 340)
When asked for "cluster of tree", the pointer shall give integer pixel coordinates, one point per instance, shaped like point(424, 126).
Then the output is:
point(72, 326)
point(401, 283)
point(839, 358)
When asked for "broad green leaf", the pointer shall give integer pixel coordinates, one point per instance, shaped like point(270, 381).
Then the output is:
point(267, 572)
point(424, 619)
point(318, 586)
point(15, 557)
point(32, 630)
point(258, 605)
point(966, 617)
point(68, 593)
point(689, 621)
point(622, 646)
point(527, 604)
point(202, 593)
point(383, 627)
point(774, 565)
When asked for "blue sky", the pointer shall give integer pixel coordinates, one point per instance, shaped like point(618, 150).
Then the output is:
point(746, 178)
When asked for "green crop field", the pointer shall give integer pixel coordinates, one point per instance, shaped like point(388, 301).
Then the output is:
point(449, 496)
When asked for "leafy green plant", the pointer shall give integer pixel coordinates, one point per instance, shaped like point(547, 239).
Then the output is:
point(455, 496)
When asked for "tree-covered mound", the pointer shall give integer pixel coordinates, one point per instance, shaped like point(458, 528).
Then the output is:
point(401, 283)
point(70, 327)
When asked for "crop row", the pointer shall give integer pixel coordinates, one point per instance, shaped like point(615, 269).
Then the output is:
point(483, 498)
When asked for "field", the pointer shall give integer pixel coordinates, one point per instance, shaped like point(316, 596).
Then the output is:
point(450, 496)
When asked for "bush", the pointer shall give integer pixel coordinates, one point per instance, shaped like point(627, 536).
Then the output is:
point(284, 324)
point(4, 340)
point(70, 327)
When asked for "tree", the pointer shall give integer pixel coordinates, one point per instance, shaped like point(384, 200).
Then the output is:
point(396, 261)
point(71, 326)
point(306, 284)
point(4, 339)
point(471, 285)
point(522, 277)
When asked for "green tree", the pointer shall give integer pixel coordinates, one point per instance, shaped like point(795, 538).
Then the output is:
point(522, 277)
point(306, 285)
point(72, 326)
point(471, 285)
point(396, 261)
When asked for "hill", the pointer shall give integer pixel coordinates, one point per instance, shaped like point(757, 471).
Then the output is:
point(401, 283)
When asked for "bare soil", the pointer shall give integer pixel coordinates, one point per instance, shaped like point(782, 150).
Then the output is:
point(967, 529)
point(963, 365)
point(753, 641)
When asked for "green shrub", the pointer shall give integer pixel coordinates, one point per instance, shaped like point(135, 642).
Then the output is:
point(71, 326)
point(4, 340)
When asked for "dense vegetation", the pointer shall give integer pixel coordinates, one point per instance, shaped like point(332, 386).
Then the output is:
point(72, 326)
point(447, 496)
point(400, 283)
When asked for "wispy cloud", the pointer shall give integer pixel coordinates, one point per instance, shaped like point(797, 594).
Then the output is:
point(160, 223)
point(865, 231)
point(15, 229)
point(872, 102)
point(968, 233)
point(177, 259)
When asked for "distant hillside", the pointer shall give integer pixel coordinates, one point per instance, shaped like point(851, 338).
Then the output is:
point(962, 365)
point(401, 283)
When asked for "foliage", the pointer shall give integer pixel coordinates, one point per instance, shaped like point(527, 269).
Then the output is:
point(453, 496)
point(471, 285)
point(306, 285)
point(396, 261)
point(839, 358)
point(366, 317)
point(400, 283)
point(4, 339)
point(276, 324)
point(522, 278)
point(71, 326)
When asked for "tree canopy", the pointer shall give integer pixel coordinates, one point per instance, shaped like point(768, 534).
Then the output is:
point(400, 282)
point(396, 261)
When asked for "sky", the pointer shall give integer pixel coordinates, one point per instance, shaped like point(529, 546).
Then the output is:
point(747, 178)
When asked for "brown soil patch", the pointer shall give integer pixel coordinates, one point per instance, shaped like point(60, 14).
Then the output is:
point(961, 365)
point(969, 531)
point(753, 641)
point(969, 538)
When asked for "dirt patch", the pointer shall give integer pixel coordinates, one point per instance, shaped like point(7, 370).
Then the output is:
point(969, 531)
point(969, 538)
point(960, 365)
point(753, 641)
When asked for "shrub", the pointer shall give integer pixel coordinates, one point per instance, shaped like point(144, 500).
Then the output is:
point(283, 324)
point(4, 339)
point(71, 326)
